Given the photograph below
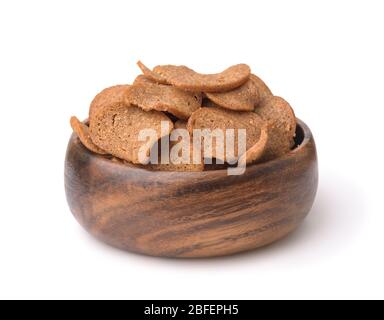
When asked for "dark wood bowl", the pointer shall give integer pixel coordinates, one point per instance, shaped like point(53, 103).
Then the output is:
point(191, 214)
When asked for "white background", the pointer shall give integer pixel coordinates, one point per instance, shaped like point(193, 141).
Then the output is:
point(325, 57)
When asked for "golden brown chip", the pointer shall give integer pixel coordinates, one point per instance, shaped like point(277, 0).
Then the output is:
point(82, 132)
point(243, 98)
point(179, 166)
point(181, 124)
point(106, 97)
point(148, 73)
point(278, 144)
point(153, 96)
point(257, 151)
point(116, 129)
point(278, 111)
point(140, 79)
point(282, 125)
point(262, 88)
point(187, 79)
point(217, 118)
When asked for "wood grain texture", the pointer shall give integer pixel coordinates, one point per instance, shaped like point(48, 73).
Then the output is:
point(191, 214)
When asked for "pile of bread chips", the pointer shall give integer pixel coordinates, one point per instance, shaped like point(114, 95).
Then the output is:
point(233, 99)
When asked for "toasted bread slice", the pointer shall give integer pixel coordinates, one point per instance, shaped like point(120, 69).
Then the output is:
point(82, 132)
point(256, 152)
point(179, 166)
point(262, 89)
point(140, 79)
point(187, 79)
point(243, 98)
point(149, 74)
point(116, 129)
point(282, 125)
point(218, 118)
point(152, 96)
point(109, 96)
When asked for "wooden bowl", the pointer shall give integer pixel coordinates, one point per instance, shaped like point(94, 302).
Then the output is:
point(191, 214)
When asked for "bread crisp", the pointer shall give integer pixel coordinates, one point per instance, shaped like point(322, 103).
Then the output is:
point(116, 129)
point(140, 79)
point(262, 88)
point(152, 96)
point(187, 79)
point(183, 98)
point(256, 152)
point(217, 118)
point(82, 132)
point(148, 73)
point(108, 96)
point(179, 167)
point(243, 98)
point(282, 126)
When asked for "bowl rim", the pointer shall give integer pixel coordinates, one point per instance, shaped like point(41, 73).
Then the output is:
point(306, 133)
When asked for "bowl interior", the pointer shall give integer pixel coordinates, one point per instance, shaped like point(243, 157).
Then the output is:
point(299, 137)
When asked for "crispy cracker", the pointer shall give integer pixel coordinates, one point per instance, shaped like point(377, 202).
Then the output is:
point(82, 132)
point(153, 96)
point(262, 88)
point(182, 166)
point(187, 79)
point(116, 129)
point(257, 151)
point(148, 73)
point(106, 97)
point(140, 79)
point(218, 118)
point(282, 125)
point(243, 98)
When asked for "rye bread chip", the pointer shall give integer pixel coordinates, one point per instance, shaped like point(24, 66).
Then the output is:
point(179, 166)
point(152, 96)
point(282, 125)
point(149, 74)
point(257, 151)
point(243, 98)
point(82, 132)
point(217, 118)
point(262, 88)
point(140, 79)
point(116, 129)
point(187, 79)
point(109, 96)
